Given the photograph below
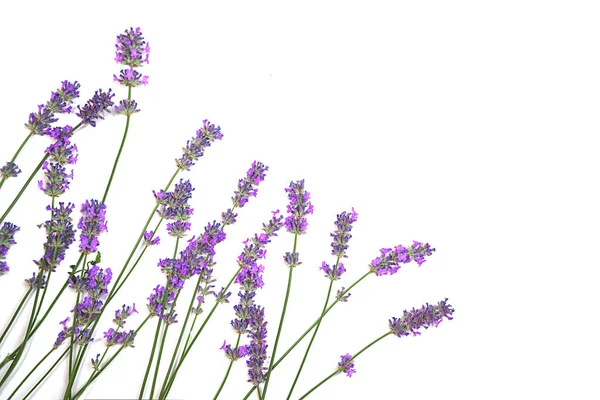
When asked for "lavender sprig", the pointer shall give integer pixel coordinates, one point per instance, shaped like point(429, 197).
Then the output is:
point(7, 240)
point(411, 322)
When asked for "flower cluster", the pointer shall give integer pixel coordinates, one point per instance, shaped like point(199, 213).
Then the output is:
point(96, 107)
point(92, 286)
point(388, 263)
point(7, 240)
point(246, 186)
point(342, 235)
point(132, 49)
point(234, 353)
point(426, 316)
point(34, 281)
point(257, 349)
point(346, 365)
point(9, 170)
point(250, 276)
point(174, 206)
point(60, 102)
point(299, 207)
point(195, 147)
point(127, 107)
point(60, 234)
point(61, 153)
point(124, 313)
point(150, 239)
point(123, 338)
point(334, 273)
point(92, 224)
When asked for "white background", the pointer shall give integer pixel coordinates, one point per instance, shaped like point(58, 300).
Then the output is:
point(465, 124)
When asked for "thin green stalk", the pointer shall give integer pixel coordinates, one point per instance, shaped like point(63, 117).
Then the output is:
point(16, 155)
point(35, 171)
point(237, 343)
point(187, 349)
point(150, 359)
point(162, 345)
point(31, 372)
point(260, 395)
point(18, 196)
point(72, 338)
point(43, 296)
point(14, 316)
point(311, 339)
point(310, 328)
point(114, 168)
point(285, 302)
point(39, 382)
point(339, 370)
point(181, 333)
point(97, 373)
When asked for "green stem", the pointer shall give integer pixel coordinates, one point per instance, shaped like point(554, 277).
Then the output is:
point(31, 372)
point(16, 155)
point(338, 370)
point(311, 339)
point(95, 374)
point(237, 343)
point(35, 171)
point(310, 328)
point(150, 359)
point(285, 303)
point(162, 345)
point(187, 349)
point(114, 168)
point(14, 316)
point(39, 382)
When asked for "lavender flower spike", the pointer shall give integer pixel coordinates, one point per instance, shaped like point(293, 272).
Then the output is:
point(342, 235)
point(246, 187)
point(426, 316)
point(195, 147)
point(388, 263)
point(257, 349)
point(60, 234)
point(299, 207)
point(346, 365)
point(7, 240)
point(132, 49)
point(95, 107)
point(92, 224)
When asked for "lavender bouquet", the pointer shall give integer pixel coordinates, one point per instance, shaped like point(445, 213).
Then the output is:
point(191, 290)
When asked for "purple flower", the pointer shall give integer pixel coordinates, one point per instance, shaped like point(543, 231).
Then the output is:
point(342, 234)
point(132, 49)
point(92, 224)
point(7, 240)
point(346, 365)
point(150, 239)
point(124, 313)
point(178, 228)
point(62, 151)
point(60, 234)
point(174, 205)
point(342, 296)
point(388, 263)
point(246, 186)
point(291, 259)
point(60, 102)
point(96, 107)
point(127, 107)
point(9, 170)
point(195, 147)
point(426, 316)
point(57, 179)
point(299, 207)
point(257, 349)
point(131, 78)
point(62, 335)
point(155, 301)
point(234, 353)
point(122, 338)
point(34, 281)
point(333, 273)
